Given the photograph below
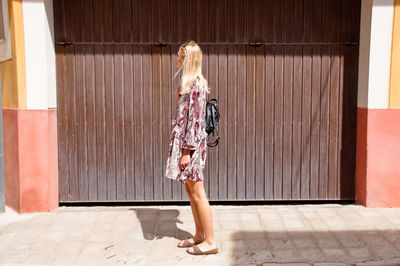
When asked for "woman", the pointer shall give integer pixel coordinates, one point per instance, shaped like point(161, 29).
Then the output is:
point(187, 147)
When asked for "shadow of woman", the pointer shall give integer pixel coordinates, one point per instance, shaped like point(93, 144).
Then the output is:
point(159, 223)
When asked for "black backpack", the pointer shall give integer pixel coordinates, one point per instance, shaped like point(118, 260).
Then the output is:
point(212, 118)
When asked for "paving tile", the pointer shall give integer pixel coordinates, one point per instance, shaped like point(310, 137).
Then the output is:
point(387, 262)
point(313, 254)
point(249, 216)
point(359, 252)
point(67, 259)
point(260, 256)
point(12, 257)
point(43, 246)
point(282, 243)
point(386, 252)
point(328, 243)
point(375, 240)
point(331, 264)
point(334, 254)
point(93, 248)
point(286, 264)
point(90, 259)
point(39, 258)
point(305, 242)
point(235, 225)
point(258, 244)
point(350, 240)
point(287, 255)
point(293, 223)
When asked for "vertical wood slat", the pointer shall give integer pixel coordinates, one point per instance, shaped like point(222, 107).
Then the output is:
point(156, 122)
point(334, 122)
point(250, 125)
point(297, 121)
point(223, 106)
point(167, 91)
point(269, 123)
point(214, 153)
point(138, 118)
point(147, 76)
point(129, 112)
point(101, 149)
point(119, 123)
point(231, 128)
point(259, 36)
point(125, 16)
point(306, 118)
point(278, 121)
point(107, 22)
point(98, 21)
point(91, 123)
point(177, 189)
point(206, 170)
point(296, 116)
point(315, 121)
point(62, 125)
point(259, 121)
point(241, 123)
point(109, 121)
point(71, 132)
point(324, 123)
point(287, 122)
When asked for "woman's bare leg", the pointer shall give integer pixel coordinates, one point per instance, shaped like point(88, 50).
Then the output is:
point(199, 235)
point(204, 211)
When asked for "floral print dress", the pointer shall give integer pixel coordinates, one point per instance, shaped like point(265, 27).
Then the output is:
point(188, 132)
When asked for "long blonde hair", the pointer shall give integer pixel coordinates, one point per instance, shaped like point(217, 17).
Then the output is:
point(191, 67)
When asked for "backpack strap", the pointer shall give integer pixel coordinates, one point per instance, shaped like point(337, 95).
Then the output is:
point(215, 143)
point(213, 100)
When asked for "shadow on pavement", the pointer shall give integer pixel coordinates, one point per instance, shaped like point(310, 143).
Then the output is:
point(159, 223)
point(353, 247)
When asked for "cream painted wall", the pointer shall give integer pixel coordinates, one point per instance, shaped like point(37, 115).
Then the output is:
point(375, 53)
point(39, 54)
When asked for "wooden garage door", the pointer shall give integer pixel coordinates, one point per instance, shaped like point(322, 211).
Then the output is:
point(284, 71)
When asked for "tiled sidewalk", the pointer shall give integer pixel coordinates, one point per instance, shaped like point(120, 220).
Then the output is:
point(330, 234)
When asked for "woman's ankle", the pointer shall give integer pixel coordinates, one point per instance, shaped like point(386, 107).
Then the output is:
point(199, 236)
point(210, 241)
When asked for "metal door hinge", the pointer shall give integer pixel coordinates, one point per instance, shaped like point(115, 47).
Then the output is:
point(160, 44)
point(255, 44)
point(64, 43)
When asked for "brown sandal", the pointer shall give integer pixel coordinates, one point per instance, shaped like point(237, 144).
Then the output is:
point(198, 251)
point(187, 244)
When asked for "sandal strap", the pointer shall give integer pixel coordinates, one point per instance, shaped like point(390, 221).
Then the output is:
point(197, 250)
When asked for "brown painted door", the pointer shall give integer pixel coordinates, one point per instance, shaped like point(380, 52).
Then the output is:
point(284, 71)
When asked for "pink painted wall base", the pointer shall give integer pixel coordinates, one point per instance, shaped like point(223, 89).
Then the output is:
point(30, 148)
point(378, 157)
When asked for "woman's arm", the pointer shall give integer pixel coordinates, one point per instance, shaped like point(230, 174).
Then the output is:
point(190, 140)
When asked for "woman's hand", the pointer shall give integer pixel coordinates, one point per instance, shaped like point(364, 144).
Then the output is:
point(178, 92)
point(185, 159)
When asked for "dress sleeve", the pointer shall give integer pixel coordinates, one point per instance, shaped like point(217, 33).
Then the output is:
point(191, 139)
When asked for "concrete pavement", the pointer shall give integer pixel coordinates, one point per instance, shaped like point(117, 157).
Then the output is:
point(330, 234)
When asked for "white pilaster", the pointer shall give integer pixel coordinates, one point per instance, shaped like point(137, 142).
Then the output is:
point(39, 54)
point(375, 52)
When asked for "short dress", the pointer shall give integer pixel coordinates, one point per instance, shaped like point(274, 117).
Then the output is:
point(188, 132)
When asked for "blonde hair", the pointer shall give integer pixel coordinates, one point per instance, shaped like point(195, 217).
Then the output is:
point(191, 67)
